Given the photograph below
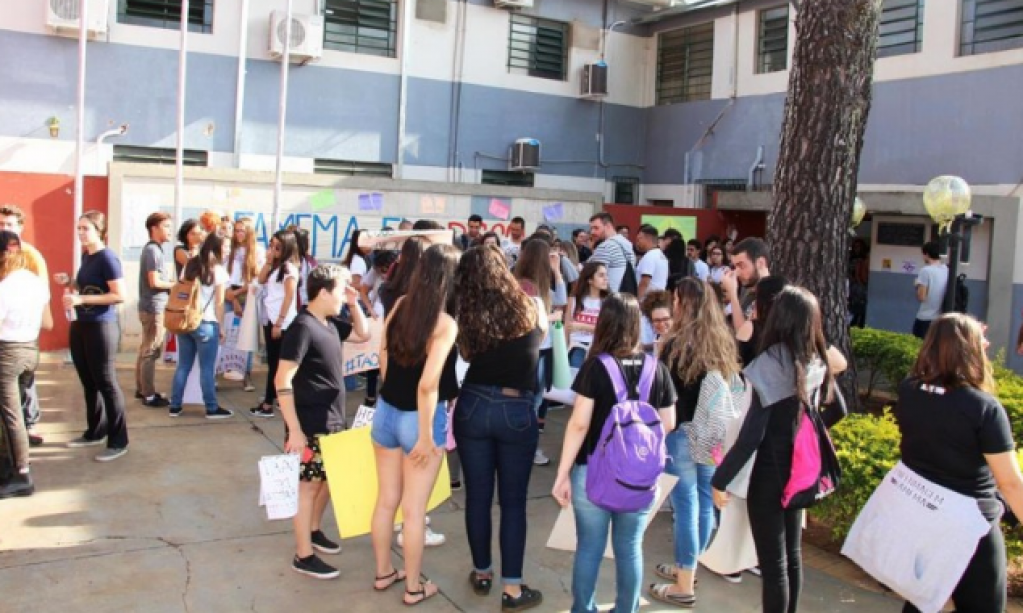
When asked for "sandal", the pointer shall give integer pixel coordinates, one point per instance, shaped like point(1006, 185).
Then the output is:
point(660, 593)
point(666, 571)
point(395, 576)
point(422, 594)
point(481, 583)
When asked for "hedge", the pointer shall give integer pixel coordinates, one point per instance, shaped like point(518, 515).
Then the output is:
point(868, 445)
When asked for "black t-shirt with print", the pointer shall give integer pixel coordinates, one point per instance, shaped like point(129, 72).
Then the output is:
point(319, 383)
point(945, 436)
point(594, 382)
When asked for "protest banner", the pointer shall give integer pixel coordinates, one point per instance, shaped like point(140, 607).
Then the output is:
point(278, 485)
point(392, 240)
point(360, 357)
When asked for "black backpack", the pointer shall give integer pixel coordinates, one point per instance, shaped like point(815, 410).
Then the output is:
point(962, 295)
point(629, 285)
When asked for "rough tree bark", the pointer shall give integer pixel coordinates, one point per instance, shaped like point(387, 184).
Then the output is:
point(830, 88)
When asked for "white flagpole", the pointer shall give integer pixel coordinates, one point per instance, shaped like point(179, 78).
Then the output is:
point(79, 189)
point(282, 120)
point(179, 159)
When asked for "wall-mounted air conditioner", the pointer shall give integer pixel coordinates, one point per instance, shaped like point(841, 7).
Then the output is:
point(62, 17)
point(594, 83)
point(306, 36)
point(513, 4)
point(658, 4)
point(525, 155)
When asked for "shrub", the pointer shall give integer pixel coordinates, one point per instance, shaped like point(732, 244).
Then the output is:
point(885, 356)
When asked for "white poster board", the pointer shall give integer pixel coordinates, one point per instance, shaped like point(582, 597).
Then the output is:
point(278, 485)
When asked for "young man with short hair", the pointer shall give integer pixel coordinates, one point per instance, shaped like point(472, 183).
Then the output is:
point(700, 268)
point(154, 290)
point(311, 395)
point(652, 270)
point(751, 259)
point(931, 284)
point(512, 244)
point(582, 244)
point(623, 231)
point(613, 250)
point(473, 234)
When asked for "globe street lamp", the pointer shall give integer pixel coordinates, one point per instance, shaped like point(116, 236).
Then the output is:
point(858, 212)
point(947, 200)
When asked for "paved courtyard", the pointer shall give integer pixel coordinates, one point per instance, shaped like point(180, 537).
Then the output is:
point(174, 526)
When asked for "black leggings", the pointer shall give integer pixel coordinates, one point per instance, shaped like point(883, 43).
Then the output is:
point(982, 587)
point(93, 347)
point(777, 534)
point(273, 358)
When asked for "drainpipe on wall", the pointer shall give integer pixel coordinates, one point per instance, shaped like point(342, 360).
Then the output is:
point(179, 158)
point(457, 72)
point(282, 118)
point(408, 9)
point(758, 164)
point(239, 96)
point(79, 191)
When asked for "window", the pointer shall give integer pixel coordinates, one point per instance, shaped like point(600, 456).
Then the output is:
point(685, 62)
point(166, 14)
point(901, 28)
point(991, 25)
point(538, 47)
point(159, 155)
point(361, 26)
point(626, 190)
point(773, 40)
point(352, 169)
point(507, 177)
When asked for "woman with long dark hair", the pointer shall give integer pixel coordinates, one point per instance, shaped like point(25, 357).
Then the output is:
point(306, 262)
point(748, 335)
point(213, 279)
point(357, 263)
point(956, 434)
point(417, 364)
point(244, 260)
point(403, 273)
point(701, 356)
point(617, 335)
point(496, 429)
point(583, 309)
point(791, 370)
point(94, 293)
point(190, 238)
point(280, 278)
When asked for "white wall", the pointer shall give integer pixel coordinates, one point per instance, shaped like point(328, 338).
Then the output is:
point(909, 260)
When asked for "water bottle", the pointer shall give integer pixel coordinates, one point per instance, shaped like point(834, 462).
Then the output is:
point(71, 314)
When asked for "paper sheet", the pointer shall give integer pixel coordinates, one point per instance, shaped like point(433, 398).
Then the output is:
point(278, 485)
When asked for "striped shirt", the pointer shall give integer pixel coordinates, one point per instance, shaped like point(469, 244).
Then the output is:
point(615, 253)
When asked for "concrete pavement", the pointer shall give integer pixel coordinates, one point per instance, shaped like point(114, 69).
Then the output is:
point(174, 526)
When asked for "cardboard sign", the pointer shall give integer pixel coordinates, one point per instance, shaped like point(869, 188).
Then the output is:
point(278, 485)
point(392, 240)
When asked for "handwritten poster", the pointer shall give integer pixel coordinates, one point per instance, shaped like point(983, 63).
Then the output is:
point(371, 202)
point(432, 205)
point(322, 200)
point(278, 485)
point(499, 208)
point(360, 357)
point(231, 359)
point(554, 212)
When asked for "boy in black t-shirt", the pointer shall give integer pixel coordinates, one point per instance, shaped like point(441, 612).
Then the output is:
point(311, 394)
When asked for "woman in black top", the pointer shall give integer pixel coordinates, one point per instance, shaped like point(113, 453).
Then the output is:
point(748, 335)
point(190, 239)
point(956, 434)
point(495, 427)
point(785, 377)
point(417, 363)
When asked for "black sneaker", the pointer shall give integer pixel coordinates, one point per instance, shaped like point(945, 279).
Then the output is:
point(314, 567)
point(220, 413)
point(456, 486)
point(139, 396)
point(324, 545)
point(19, 485)
point(156, 402)
point(174, 412)
point(528, 599)
point(262, 411)
point(34, 440)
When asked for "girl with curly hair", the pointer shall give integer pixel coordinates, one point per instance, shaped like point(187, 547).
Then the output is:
point(495, 427)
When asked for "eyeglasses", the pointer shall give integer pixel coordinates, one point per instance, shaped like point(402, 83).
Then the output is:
point(661, 320)
point(717, 253)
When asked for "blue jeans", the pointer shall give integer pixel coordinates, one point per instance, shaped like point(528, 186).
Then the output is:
point(393, 428)
point(591, 527)
point(497, 436)
point(204, 341)
point(576, 357)
point(691, 498)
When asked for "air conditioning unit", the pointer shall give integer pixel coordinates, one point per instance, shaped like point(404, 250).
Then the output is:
point(594, 84)
point(657, 4)
point(525, 155)
point(513, 4)
point(62, 17)
point(306, 36)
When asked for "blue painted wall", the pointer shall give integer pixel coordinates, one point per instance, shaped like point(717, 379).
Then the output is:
point(892, 303)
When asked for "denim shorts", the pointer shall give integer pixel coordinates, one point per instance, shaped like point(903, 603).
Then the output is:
point(393, 428)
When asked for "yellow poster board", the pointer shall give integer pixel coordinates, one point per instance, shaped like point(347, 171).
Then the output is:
point(352, 477)
point(684, 224)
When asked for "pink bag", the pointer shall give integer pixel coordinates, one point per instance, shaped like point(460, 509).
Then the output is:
point(450, 446)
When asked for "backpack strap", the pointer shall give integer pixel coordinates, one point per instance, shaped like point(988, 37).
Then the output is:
point(646, 378)
point(614, 371)
point(623, 391)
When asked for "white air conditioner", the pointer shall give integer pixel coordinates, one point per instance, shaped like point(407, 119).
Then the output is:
point(525, 155)
point(513, 4)
point(594, 82)
point(306, 36)
point(62, 17)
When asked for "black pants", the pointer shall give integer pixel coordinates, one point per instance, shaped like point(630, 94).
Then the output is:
point(982, 587)
point(93, 347)
point(920, 327)
point(777, 536)
point(273, 358)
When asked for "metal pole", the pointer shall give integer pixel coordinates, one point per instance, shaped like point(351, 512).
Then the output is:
point(179, 160)
point(954, 242)
point(239, 99)
point(408, 9)
point(282, 119)
point(79, 189)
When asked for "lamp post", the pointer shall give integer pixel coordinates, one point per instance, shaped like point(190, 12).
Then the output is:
point(947, 200)
point(859, 211)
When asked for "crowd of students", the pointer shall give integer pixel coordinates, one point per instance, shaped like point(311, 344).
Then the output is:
point(724, 356)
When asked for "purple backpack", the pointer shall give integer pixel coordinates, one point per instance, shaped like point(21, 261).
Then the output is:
point(630, 455)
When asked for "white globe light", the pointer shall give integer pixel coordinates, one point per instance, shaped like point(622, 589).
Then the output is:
point(858, 212)
point(945, 197)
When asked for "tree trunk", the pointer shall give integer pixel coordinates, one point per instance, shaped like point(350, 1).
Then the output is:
point(822, 135)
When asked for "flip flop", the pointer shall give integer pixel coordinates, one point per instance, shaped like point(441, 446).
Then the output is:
point(666, 571)
point(395, 576)
point(660, 593)
point(422, 594)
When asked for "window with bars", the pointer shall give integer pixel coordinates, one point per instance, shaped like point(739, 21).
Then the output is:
point(361, 26)
point(511, 178)
point(901, 29)
point(626, 190)
point(166, 14)
point(159, 155)
point(773, 40)
point(538, 47)
point(990, 25)
point(685, 63)
point(352, 169)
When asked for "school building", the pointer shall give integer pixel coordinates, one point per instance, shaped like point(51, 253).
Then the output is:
point(444, 107)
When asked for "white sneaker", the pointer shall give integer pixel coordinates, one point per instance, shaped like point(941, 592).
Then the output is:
point(540, 459)
point(433, 539)
point(397, 527)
